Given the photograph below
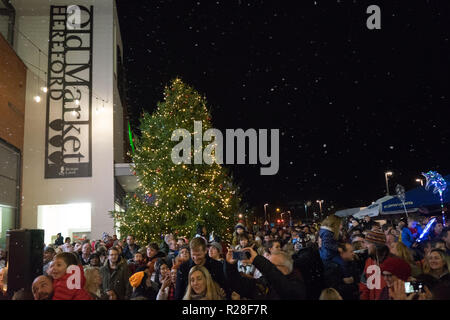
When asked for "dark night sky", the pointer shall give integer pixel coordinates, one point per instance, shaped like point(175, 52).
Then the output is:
point(350, 102)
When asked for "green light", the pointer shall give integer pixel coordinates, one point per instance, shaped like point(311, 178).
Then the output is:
point(130, 135)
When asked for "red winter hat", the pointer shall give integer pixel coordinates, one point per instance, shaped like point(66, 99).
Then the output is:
point(398, 267)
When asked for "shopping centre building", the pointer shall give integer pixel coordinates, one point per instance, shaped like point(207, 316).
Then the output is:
point(63, 116)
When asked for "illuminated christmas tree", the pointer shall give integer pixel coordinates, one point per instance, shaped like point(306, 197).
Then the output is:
point(175, 198)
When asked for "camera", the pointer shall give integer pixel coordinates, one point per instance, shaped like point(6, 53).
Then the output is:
point(241, 255)
point(413, 287)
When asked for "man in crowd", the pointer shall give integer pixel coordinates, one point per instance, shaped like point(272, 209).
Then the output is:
point(446, 237)
point(199, 256)
point(279, 278)
point(130, 248)
point(85, 254)
point(42, 288)
point(49, 253)
point(59, 240)
point(115, 277)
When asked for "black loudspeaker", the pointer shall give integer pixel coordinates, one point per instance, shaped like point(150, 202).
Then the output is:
point(25, 258)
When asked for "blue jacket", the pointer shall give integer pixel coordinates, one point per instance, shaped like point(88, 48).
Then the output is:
point(329, 248)
point(407, 237)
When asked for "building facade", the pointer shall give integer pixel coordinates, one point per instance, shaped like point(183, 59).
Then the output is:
point(74, 132)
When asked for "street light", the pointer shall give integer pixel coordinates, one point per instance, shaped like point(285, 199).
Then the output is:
point(265, 212)
point(386, 174)
point(421, 181)
point(320, 205)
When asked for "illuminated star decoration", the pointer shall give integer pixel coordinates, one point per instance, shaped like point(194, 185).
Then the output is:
point(435, 179)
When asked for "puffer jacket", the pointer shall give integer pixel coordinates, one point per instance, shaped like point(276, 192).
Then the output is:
point(62, 292)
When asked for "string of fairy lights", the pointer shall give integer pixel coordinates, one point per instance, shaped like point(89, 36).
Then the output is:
point(183, 194)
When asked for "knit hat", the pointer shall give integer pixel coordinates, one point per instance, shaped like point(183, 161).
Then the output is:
point(216, 245)
point(376, 237)
point(398, 267)
point(239, 225)
point(136, 279)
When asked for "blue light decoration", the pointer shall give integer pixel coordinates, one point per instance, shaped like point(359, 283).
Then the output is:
point(435, 179)
point(426, 230)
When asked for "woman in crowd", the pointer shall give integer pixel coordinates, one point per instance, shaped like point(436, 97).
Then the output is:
point(167, 291)
point(94, 283)
point(153, 254)
point(184, 255)
point(403, 252)
point(437, 265)
point(330, 294)
point(201, 286)
point(162, 271)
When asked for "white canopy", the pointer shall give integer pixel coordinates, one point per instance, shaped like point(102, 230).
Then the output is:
point(348, 212)
point(373, 210)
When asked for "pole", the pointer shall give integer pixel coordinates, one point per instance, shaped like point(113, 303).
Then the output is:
point(387, 184)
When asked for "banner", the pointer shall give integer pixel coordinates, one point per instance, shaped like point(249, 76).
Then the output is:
point(68, 144)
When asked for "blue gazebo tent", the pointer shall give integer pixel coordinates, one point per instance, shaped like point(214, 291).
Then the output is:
point(416, 198)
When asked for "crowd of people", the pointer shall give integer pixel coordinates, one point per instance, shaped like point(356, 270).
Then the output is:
point(336, 259)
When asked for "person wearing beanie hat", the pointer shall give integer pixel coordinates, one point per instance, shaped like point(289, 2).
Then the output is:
point(394, 268)
point(373, 285)
point(215, 251)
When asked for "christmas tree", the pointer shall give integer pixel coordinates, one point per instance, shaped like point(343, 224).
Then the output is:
point(175, 198)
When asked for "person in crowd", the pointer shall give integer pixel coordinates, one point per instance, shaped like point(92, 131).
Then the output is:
point(393, 269)
point(375, 242)
point(215, 251)
point(199, 257)
point(244, 268)
point(67, 246)
point(49, 254)
point(445, 236)
point(437, 265)
point(167, 291)
point(328, 239)
point(137, 262)
point(77, 247)
point(238, 229)
point(437, 230)
point(279, 281)
point(85, 254)
point(60, 273)
point(330, 294)
point(143, 287)
point(201, 286)
point(103, 254)
point(162, 270)
point(3, 258)
point(130, 248)
point(403, 252)
point(42, 288)
point(173, 250)
point(274, 246)
point(438, 244)
point(343, 277)
point(183, 255)
point(407, 236)
point(115, 276)
point(367, 223)
point(94, 260)
point(94, 283)
point(153, 254)
point(59, 240)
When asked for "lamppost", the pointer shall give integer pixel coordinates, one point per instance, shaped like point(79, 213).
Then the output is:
point(307, 204)
point(386, 174)
point(320, 206)
point(265, 212)
point(420, 181)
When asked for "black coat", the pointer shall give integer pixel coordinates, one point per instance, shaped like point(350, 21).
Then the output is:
point(273, 285)
point(128, 254)
point(59, 241)
point(214, 267)
point(334, 275)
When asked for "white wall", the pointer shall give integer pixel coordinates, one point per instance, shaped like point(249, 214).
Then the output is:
point(98, 189)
